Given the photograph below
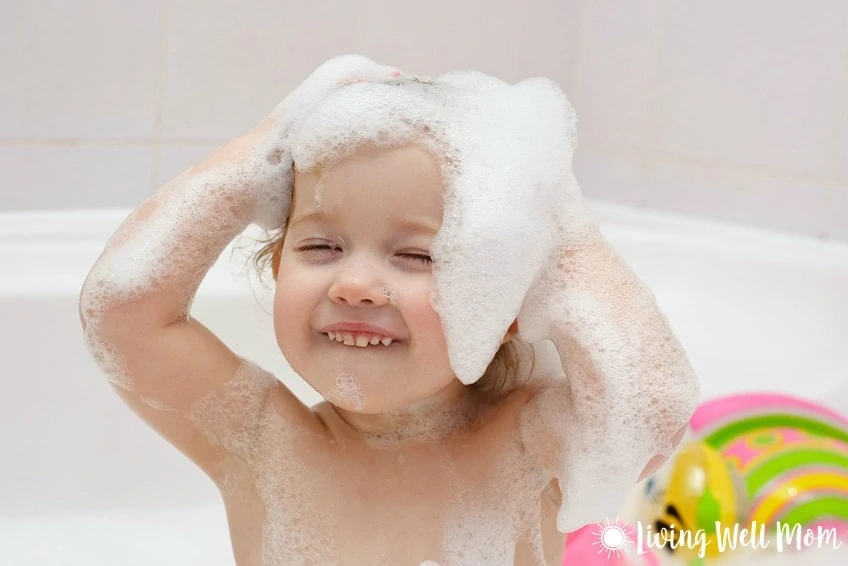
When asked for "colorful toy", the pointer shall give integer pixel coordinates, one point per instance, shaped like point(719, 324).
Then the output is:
point(760, 458)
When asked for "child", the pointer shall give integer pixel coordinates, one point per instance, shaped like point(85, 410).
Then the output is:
point(420, 232)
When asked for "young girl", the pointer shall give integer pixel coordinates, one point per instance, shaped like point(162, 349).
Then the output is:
point(424, 236)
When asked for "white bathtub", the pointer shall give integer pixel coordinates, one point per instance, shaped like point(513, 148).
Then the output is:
point(84, 482)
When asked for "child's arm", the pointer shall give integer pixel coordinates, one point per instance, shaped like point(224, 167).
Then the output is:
point(629, 391)
point(170, 369)
point(135, 302)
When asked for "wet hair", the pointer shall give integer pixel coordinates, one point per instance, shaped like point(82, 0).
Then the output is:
point(501, 375)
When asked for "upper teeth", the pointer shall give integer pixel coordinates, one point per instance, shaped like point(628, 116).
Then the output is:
point(359, 338)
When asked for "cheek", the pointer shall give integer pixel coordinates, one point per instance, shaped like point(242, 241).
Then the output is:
point(430, 321)
point(292, 286)
point(292, 308)
point(413, 301)
point(426, 325)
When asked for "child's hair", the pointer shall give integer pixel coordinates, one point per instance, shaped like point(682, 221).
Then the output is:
point(501, 375)
point(401, 110)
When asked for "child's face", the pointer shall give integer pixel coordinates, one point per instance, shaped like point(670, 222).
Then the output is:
point(368, 268)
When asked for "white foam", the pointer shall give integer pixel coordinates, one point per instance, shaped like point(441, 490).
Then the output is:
point(504, 153)
point(514, 222)
point(347, 392)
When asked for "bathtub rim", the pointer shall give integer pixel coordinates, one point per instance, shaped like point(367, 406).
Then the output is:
point(48, 250)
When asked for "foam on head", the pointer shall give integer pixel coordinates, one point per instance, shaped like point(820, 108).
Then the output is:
point(510, 199)
point(511, 204)
point(495, 144)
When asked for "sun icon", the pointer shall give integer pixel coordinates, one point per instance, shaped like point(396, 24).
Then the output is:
point(612, 538)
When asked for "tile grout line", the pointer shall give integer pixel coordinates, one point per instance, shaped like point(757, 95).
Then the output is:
point(680, 159)
point(119, 142)
point(650, 135)
point(836, 136)
point(841, 110)
point(578, 80)
point(156, 149)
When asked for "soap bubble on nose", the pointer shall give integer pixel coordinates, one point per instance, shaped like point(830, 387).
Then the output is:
point(391, 294)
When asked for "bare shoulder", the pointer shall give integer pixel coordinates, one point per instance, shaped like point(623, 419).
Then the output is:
point(249, 409)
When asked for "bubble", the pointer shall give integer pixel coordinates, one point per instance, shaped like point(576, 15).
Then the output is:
point(505, 154)
point(347, 392)
point(514, 223)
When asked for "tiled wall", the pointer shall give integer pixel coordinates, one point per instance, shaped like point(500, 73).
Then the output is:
point(736, 110)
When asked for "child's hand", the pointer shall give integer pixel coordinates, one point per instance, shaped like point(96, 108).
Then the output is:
point(574, 238)
point(630, 387)
point(520, 240)
point(274, 133)
point(263, 155)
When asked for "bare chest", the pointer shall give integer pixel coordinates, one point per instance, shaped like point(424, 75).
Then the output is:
point(476, 500)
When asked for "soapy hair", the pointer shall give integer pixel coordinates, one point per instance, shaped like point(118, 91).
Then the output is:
point(400, 110)
point(501, 375)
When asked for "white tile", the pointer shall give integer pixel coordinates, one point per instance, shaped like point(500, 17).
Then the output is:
point(751, 83)
point(173, 160)
point(229, 63)
point(46, 177)
point(616, 59)
point(841, 156)
point(78, 69)
point(836, 223)
point(508, 39)
point(771, 203)
point(617, 179)
point(431, 38)
point(542, 41)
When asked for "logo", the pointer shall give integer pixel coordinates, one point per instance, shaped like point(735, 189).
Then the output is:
point(612, 538)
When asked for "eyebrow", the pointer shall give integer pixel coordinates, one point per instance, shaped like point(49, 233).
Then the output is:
point(407, 225)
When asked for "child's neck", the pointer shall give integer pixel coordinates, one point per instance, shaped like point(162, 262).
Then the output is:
point(453, 409)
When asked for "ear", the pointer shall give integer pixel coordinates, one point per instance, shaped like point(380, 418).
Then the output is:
point(510, 332)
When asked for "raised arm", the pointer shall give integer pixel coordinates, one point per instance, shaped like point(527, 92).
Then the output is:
point(134, 305)
point(629, 392)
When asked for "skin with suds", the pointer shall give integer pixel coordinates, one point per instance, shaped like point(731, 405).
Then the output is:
point(404, 463)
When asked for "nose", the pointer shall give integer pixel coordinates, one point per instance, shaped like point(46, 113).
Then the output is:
point(359, 286)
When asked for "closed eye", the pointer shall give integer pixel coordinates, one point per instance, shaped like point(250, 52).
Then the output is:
point(417, 257)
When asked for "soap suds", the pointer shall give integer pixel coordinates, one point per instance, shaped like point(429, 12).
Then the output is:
point(505, 154)
point(510, 201)
point(347, 392)
point(295, 530)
